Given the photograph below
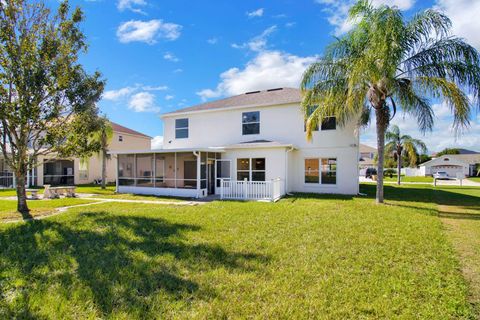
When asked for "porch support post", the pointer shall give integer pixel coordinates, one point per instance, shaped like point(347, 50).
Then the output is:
point(199, 173)
point(175, 170)
point(116, 174)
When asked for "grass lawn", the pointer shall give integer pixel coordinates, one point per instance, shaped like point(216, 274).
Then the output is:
point(305, 256)
point(37, 207)
point(476, 179)
point(409, 179)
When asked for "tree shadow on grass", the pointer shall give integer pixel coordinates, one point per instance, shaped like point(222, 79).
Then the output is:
point(120, 263)
point(443, 197)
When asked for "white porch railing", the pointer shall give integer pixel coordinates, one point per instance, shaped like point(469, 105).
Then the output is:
point(251, 190)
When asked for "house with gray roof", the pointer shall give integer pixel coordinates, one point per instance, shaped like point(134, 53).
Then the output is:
point(250, 146)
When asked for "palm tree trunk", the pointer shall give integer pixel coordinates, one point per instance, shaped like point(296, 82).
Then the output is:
point(104, 168)
point(381, 121)
point(399, 166)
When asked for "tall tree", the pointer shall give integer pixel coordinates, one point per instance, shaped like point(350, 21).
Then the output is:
point(387, 62)
point(403, 146)
point(103, 136)
point(47, 100)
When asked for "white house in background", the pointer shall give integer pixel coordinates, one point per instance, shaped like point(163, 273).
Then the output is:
point(366, 158)
point(249, 146)
point(452, 164)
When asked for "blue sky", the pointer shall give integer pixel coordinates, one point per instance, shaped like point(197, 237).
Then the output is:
point(158, 56)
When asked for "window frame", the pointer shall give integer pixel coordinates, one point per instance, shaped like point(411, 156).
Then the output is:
point(177, 128)
point(321, 171)
point(250, 122)
point(250, 169)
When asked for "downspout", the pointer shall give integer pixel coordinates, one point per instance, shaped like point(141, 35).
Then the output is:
point(287, 151)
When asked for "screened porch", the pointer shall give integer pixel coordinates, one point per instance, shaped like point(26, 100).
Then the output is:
point(181, 173)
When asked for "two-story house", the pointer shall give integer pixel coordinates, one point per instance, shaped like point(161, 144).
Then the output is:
point(52, 170)
point(249, 146)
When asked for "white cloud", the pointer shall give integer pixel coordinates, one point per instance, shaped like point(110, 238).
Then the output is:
point(154, 88)
point(147, 31)
point(170, 57)
point(169, 97)
point(157, 142)
point(442, 136)
point(269, 69)
point(178, 70)
point(212, 40)
point(143, 102)
point(255, 13)
point(131, 5)
point(290, 24)
point(464, 16)
point(338, 11)
point(114, 95)
point(258, 43)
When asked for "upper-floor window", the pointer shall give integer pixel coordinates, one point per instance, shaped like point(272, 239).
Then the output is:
point(329, 123)
point(251, 122)
point(181, 128)
point(120, 138)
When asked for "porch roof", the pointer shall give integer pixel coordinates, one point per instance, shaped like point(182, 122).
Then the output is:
point(218, 150)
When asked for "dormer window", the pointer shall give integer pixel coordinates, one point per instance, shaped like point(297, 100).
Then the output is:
point(251, 122)
point(181, 128)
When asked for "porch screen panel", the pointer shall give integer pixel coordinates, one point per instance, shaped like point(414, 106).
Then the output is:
point(145, 170)
point(126, 163)
point(160, 171)
point(190, 174)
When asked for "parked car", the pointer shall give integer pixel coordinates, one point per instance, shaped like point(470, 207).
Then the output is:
point(441, 175)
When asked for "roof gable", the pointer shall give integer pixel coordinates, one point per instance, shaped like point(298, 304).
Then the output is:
point(119, 128)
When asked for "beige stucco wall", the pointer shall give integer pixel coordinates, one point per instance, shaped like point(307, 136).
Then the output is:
point(130, 142)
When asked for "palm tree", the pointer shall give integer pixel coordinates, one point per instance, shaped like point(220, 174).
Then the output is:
point(102, 137)
point(403, 145)
point(387, 62)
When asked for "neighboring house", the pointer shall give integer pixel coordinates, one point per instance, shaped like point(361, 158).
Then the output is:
point(70, 171)
point(249, 146)
point(452, 164)
point(367, 156)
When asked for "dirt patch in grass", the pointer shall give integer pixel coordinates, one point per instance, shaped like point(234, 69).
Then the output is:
point(462, 224)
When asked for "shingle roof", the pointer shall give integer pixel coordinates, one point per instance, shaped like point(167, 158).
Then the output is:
point(254, 98)
point(367, 148)
point(119, 128)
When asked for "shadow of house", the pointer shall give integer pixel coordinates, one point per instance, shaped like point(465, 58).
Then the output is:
point(121, 263)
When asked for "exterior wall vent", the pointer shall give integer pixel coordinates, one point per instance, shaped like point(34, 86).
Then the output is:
point(275, 89)
point(252, 92)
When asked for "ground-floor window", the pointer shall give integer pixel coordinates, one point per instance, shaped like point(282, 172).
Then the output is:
point(252, 169)
point(321, 170)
